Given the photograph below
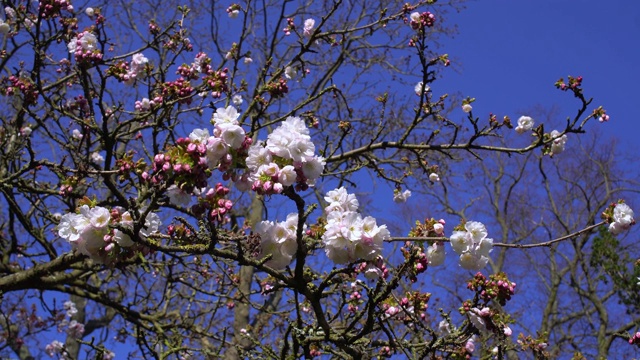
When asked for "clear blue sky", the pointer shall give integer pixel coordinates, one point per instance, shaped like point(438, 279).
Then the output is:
point(509, 54)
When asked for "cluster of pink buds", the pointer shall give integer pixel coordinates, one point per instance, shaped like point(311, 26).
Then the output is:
point(574, 84)
point(52, 8)
point(178, 40)
point(214, 204)
point(180, 89)
point(419, 21)
point(65, 66)
point(373, 269)
point(187, 72)
point(291, 25)
point(601, 114)
point(277, 89)
point(418, 257)
point(128, 73)
point(315, 352)
point(216, 81)
point(154, 28)
point(497, 287)
point(145, 104)
point(24, 86)
point(68, 184)
point(635, 339)
point(184, 165)
point(79, 106)
point(385, 351)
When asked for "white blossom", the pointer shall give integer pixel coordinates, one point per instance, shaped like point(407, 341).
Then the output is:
point(433, 177)
point(76, 134)
point(472, 245)
point(622, 219)
point(348, 236)
point(232, 134)
point(236, 100)
point(11, 14)
point(558, 143)
point(87, 41)
point(226, 115)
point(467, 108)
point(444, 327)
point(525, 123)
point(200, 136)
point(287, 175)
point(4, 27)
point(178, 196)
point(89, 11)
point(290, 72)
point(478, 318)
point(418, 88)
point(435, 254)
point(401, 197)
point(96, 157)
point(278, 240)
point(308, 27)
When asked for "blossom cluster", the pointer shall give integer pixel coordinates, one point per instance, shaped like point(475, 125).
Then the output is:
point(84, 46)
point(421, 20)
point(227, 149)
point(472, 245)
point(525, 123)
point(138, 63)
point(349, 237)
point(278, 240)
point(51, 8)
point(558, 143)
point(91, 231)
point(287, 158)
point(129, 72)
point(621, 218)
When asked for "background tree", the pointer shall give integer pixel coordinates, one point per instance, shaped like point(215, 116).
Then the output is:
point(584, 293)
point(142, 147)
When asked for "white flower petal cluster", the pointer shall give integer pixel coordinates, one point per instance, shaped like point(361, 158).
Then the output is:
point(87, 41)
point(136, 67)
point(559, 142)
point(96, 157)
point(227, 135)
point(177, 196)
point(237, 100)
point(308, 27)
point(525, 123)
point(4, 27)
point(228, 115)
point(418, 88)
point(436, 254)
point(290, 146)
point(472, 245)
point(278, 240)
point(401, 197)
point(88, 231)
point(348, 236)
point(622, 219)
point(290, 72)
point(467, 108)
point(478, 318)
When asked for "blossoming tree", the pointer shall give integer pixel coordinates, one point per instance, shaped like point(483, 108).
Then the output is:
point(186, 188)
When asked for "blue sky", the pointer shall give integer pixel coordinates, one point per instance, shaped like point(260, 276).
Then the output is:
point(509, 54)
